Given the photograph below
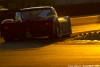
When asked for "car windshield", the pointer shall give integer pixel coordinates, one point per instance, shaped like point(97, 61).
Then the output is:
point(36, 13)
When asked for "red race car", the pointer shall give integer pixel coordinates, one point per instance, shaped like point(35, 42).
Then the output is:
point(35, 22)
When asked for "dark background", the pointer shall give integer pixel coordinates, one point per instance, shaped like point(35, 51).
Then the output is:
point(71, 9)
point(78, 9)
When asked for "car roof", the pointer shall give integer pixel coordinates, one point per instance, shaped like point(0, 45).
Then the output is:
point(35, 8)
point(40, 7)
point(27, 9)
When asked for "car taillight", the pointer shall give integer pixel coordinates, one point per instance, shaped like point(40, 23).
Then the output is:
point(47, 23)
point(6, 27)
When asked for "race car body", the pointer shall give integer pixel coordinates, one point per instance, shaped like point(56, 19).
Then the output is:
point(35, 22)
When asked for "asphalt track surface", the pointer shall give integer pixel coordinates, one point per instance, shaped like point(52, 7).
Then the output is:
point(44, 52)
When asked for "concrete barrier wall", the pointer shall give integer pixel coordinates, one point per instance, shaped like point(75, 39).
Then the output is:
point(78, 9)
point(85, 20)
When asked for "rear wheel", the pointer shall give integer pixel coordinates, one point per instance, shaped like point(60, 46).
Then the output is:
point(69, 29)
point(56, 35)
point(58, 32)
point(8, 39)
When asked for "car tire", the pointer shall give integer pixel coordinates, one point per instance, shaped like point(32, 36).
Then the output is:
point(56, 35)
point(69, 29)
point(58, 32)
point(8, 39)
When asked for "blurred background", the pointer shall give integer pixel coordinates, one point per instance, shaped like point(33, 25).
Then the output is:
point(63, 7)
